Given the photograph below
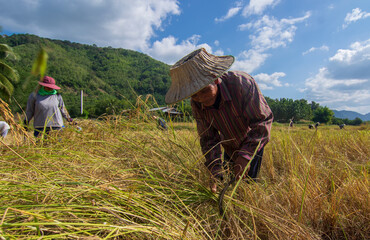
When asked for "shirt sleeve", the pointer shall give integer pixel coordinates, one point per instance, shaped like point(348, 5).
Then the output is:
point(30, 109)
point(259, 115)
point(210, 141)
point(62, 107)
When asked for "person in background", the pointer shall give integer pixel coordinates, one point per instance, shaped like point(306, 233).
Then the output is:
point(229, 109)
point(4, 128)
point(161, 123)
point(47, 108)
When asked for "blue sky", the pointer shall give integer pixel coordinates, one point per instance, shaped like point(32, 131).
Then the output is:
point(318, 50)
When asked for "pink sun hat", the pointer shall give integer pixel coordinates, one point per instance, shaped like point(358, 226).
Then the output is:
point(49, 82)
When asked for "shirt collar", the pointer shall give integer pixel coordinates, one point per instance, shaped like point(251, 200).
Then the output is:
point(225, 94)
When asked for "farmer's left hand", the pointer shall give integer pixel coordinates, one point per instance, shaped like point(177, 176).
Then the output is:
point(71, 121)
point(213, 185)
point(239, 166)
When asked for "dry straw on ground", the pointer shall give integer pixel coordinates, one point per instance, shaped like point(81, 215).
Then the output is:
point(123, 178)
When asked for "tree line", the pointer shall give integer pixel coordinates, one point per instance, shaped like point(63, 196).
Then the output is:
point(285, 110)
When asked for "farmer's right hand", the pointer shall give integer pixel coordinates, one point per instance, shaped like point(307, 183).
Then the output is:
point(239, 167)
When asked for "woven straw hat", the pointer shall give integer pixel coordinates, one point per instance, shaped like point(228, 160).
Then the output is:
point(194, 72)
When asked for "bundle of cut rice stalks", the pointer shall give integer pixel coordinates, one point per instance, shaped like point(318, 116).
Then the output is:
point(19, 133)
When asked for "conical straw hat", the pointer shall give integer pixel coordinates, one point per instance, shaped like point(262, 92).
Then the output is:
point(194, 72)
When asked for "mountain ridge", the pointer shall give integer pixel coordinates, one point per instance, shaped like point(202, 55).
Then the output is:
point(351, 115)
point(112, 79)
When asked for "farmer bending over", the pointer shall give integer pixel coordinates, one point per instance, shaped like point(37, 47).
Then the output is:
point(161, 123)
point(229, 109)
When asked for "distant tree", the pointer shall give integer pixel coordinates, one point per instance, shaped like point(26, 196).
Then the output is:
point(8, 75)
point(314, 105)
point(323, 115)
point(282, 109)
point(357, 121)
point(338, 121)
point(302, 110)
point(285, 109)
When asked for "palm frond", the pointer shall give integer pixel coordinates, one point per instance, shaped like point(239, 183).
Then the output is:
point(6, 51)
point(6, 88)
point(8, 72)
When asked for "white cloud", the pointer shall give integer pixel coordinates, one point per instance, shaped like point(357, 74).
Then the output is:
point(266, 33)
point(117, 23)
point(269, 80)
point(249, 61)
point(219, 52)
point(169, 51)
point(272, 33)
point(264, 86)
point(345, 82)
point(351, 63)
point(337, 93)
point(354, 16)
point(359, 51)
point(231, 13)
point(258, 6)
point(313, 49)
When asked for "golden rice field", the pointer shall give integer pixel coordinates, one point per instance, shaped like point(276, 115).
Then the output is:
point(126, 179)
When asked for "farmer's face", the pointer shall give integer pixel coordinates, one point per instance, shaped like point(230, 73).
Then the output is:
point(207, 96)
point(48, 89)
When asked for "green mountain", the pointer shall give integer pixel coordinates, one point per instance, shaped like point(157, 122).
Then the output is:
point(111, 79)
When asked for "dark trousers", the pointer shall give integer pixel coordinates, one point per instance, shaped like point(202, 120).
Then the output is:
point(255, 165)
point(39, 131)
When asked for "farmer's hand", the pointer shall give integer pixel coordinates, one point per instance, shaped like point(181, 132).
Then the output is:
point(239, 166)
point(70, 120)
point(218, 176)
point(213, 185)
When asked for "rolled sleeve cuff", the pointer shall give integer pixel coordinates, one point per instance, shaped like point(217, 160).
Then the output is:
point(245, 154)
